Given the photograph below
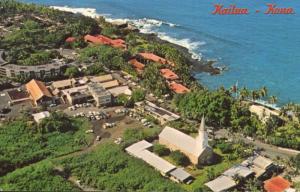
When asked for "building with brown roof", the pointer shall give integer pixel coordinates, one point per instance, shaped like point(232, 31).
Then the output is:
point(137, 65)
point(39, 93)
point(103, 40)
point(154, 58)
point(169, 74)
point(178, 88)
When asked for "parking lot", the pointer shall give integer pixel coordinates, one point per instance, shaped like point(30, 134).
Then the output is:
point(14, 109)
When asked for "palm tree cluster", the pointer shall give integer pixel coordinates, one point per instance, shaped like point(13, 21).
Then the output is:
point(244, 94)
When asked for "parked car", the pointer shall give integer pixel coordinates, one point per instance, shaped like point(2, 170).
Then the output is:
point(98, 138)
point(89, 131)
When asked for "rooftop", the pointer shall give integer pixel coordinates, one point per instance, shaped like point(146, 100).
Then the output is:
point(155, 58)
point(110, 84)
point(39, 116)
point(17, 94)
point(101, 78)
point(120, 90)
point(238, 170)
point(180, 140)
point(220, 184)
point(151, 107)
point(276, 184)
point(181, 174)
point(178, 88)
point(63, 83)
point(168, 74)
point(37, 89)
point(136, 64)
point(101, 39)
point(139, 150)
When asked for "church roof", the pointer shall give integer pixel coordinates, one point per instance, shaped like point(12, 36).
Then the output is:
point(179, 139)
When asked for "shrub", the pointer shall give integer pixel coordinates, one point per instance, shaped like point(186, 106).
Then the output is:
point(179, 158)
point(161, 150)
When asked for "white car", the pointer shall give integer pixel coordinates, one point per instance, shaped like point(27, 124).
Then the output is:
point(98, 138)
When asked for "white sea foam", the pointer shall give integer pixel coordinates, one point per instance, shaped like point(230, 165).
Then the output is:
point(145, 25)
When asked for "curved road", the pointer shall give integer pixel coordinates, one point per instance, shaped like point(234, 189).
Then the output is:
point(269, 150)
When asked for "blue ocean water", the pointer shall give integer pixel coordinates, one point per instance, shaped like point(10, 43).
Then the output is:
point(259, 50)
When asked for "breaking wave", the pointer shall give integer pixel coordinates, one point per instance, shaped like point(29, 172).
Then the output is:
point(145, 25)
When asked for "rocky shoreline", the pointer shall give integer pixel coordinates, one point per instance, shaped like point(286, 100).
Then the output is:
point(205, 66)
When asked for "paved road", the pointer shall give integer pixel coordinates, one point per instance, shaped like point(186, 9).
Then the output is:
point(269, 150)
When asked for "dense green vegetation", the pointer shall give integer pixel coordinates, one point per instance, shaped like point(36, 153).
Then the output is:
point(179, 158)
point(38, 29)
point(39, 177)
point(23, 142)
point(109, 168)
point(153, 81)
point(131, 136)
point(161, 150)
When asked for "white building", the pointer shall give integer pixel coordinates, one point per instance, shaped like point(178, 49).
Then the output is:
point(38, 117)
point(101, 96)
point(196, 149)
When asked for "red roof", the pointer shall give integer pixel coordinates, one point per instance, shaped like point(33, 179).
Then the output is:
point(136, 64)
point(101, 39)
point(168, 74)
point(276, 184)
point(178, 88)
point(155, 58)
point(70, 39)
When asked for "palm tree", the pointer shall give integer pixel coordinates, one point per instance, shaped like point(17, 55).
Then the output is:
point(244, 93)
point(255, 95)
point(263, 91)
point(273, 99)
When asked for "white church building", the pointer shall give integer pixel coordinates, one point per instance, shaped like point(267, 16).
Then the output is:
point(196, 149)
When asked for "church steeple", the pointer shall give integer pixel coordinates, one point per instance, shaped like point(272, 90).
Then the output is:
point(202, 138)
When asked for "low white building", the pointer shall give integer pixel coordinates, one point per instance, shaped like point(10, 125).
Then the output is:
point(38, 117)
point(101, 95)
point(221, 184)
point(120, 90)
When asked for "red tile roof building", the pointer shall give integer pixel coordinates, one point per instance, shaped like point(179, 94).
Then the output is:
point(276, 184)
point(155, 58)
point(178, 88)
point(70, 39)
point(137, 65)
point(101, 39)
point(168, 74)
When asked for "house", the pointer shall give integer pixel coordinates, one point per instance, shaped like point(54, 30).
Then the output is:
point(38, 117)
point(64, 84)
point(178, 88)
point(158, 113)
point(168, 74)
point(110, 84)
point(141, 151)
point(70, 40)
point(278, 184)
point(139, 67)
point(239, 170)
point(259, 165)
point(181, 176)
point(77, 95)
point(101, 78)
point(39, 93)
point(146, 57)
point(120, 90)
point(101, 39)
point(100, 94)
point(221, 184)
point(17, 96)
point(196, 149)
